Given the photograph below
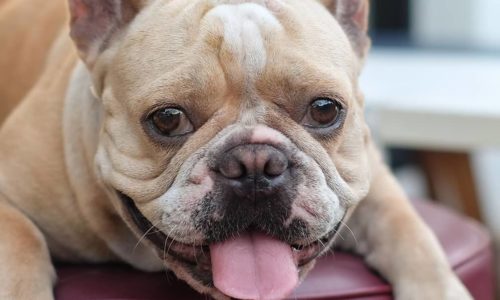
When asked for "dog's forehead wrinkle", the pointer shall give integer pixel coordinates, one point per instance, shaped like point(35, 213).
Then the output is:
point(245, 27)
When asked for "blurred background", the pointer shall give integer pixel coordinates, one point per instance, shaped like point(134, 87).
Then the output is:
point(432, 86)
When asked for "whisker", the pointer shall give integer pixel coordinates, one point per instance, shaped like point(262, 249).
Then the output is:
point(167, 237)
point(331, 251)
point(202, 251)
point(194, 250)
point(340, 235)
point(165, 269)
point(165, 247)
point(350, 230)
point(144, 236)
point(167, 273)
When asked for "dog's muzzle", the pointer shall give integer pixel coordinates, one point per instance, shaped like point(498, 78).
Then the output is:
point(246, 221)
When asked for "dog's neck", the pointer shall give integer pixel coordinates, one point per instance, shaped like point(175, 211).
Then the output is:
point(83, 107)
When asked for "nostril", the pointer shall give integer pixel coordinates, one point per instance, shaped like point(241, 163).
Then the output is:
point(232, 169)
point(275, 166)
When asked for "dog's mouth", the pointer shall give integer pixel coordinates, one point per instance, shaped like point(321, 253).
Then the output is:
point(197, 259)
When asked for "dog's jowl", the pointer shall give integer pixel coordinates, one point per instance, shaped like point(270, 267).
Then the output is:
point(227, 136)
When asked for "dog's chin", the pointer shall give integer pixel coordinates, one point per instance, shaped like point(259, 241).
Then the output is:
point(196, 260)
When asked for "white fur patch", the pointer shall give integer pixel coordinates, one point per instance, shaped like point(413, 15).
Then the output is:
point(244, 26)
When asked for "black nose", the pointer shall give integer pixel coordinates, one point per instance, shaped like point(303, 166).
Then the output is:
point(254, 168)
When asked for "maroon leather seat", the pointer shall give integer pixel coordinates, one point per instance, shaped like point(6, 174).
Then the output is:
point(338, 276)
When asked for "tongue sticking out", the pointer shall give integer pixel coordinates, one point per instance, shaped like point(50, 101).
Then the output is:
point(254, 266)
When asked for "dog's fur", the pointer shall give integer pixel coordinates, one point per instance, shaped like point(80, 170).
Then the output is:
point(77, 145)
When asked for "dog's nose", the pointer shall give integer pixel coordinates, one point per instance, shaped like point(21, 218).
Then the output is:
point(254, 167)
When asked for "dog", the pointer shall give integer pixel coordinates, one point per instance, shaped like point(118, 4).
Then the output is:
point(224, 140)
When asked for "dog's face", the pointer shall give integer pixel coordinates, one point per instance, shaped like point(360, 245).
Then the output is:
point(228, 121)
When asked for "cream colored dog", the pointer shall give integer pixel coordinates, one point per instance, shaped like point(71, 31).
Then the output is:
point(223, 139)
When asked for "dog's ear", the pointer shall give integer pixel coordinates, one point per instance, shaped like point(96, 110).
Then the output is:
point(95, 22)
point(353, 16)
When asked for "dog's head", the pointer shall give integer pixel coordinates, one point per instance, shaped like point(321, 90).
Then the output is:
point(232, 131)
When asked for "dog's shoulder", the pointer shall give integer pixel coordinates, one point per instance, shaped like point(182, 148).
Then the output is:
point(28, 28)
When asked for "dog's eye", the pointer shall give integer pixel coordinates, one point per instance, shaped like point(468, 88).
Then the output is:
point(323, 113)
point(171, 122)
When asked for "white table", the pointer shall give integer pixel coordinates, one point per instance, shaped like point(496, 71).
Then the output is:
point(435, 100)
point(449, 102)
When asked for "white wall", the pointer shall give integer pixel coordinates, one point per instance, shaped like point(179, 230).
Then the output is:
point(487, 23)
point(456, 23)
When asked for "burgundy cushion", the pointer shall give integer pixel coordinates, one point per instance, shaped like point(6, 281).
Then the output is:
point(338, 276)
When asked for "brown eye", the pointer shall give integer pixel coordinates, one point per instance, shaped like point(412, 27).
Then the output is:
point(171, 122)
point(323, 113)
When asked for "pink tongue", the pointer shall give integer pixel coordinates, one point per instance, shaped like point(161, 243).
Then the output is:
point(254, 266)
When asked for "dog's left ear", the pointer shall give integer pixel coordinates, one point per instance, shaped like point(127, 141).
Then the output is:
point(95, 22)
point(353, 16)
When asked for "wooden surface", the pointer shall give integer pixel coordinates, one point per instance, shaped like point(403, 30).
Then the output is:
point(451, 181)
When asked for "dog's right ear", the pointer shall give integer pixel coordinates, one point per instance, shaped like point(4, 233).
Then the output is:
point(95, 22)
point(353, 17)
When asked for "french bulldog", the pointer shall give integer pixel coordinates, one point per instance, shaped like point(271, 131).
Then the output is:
point(224, 140)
